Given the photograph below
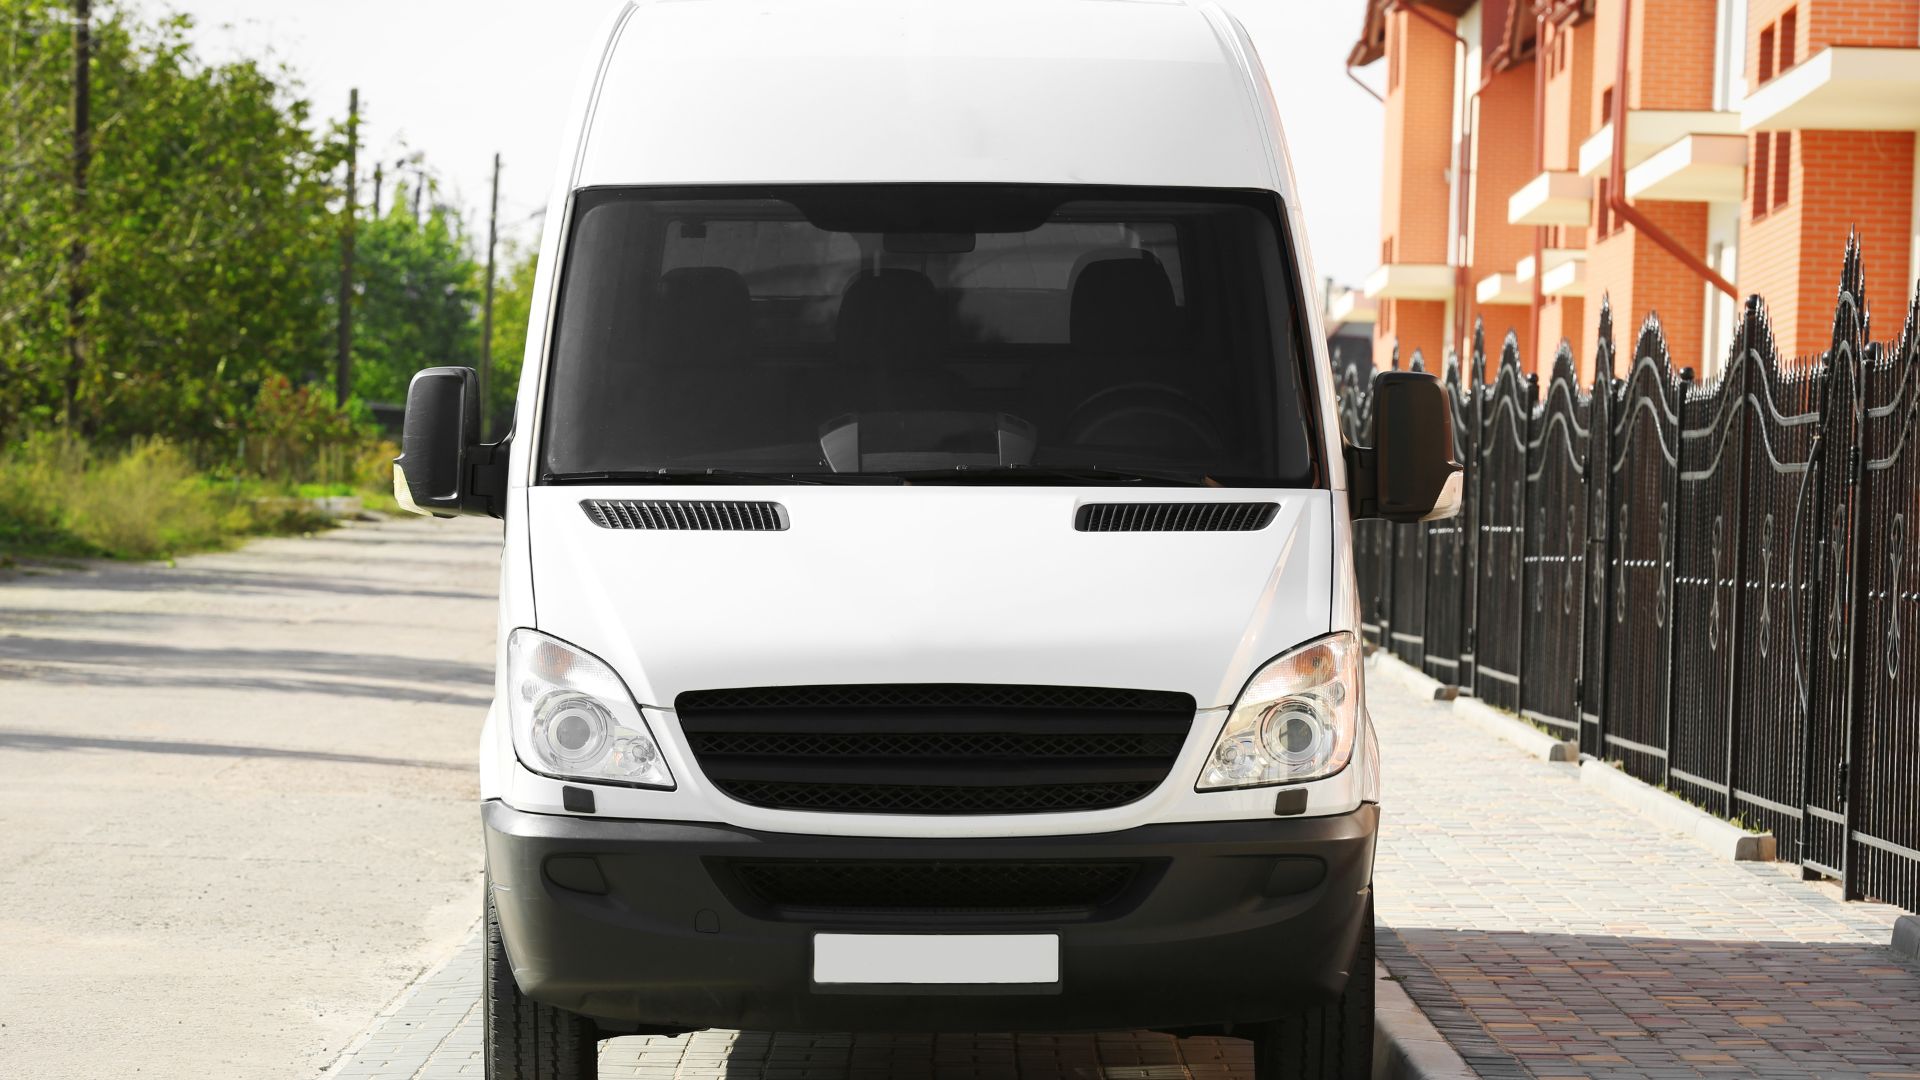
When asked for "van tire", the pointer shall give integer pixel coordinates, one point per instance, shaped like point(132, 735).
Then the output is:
point(524, 1039)
point(1328, 1042)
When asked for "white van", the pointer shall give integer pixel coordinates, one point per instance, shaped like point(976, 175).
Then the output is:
point(927, 599)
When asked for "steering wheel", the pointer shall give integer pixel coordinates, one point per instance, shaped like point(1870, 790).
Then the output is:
point(1163, 408)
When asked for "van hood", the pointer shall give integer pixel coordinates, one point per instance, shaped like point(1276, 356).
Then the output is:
point(930, 584)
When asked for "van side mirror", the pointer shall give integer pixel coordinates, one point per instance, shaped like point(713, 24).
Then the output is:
point(443, 468)
point(1408, 474)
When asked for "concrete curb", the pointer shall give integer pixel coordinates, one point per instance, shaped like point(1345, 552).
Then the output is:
point(1906, 938)
point(1398, 671)
point(1535, 742)
point(1406, 1045)
point(1724, 838)
point(1516, 731)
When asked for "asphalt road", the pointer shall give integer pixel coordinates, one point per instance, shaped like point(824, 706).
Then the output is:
point(237, 797)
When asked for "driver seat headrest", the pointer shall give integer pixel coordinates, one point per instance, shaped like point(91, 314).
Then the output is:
point(704, 316)
point(1123, 305)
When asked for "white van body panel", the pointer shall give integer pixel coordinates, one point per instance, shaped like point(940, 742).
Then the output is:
point(770, 91)
point(933, 584)
point(1175, 801)
point(887, 586)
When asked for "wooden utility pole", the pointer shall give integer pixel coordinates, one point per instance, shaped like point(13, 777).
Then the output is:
point(486, 317)
point(343, 360)
point(82, 162)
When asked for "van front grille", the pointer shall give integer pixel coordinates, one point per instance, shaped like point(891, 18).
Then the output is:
point(929, 885)
point(936, 749)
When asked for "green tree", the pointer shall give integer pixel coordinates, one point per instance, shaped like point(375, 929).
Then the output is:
point(419, 297)
point(210, 228)
point(512, 301)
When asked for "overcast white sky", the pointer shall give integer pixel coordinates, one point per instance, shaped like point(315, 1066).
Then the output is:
point(461, 79)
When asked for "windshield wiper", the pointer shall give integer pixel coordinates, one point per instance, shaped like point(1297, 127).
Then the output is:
point(1047, 474)
point(713, 476)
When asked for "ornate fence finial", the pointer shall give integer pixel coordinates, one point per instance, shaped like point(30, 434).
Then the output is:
point(1651, 345)
point(1418, 363)
point(1603, 369)
point(1509, 356)
point(1563, 366)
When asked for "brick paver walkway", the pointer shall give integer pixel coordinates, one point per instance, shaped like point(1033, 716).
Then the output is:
point(1546, 930)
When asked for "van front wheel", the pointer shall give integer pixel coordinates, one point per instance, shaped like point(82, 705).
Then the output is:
point(1332, 1041)
point(524, 1039)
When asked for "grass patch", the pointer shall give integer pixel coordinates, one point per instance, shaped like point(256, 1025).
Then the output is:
point(61, 497)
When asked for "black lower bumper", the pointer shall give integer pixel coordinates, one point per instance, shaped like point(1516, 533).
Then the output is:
point(641, 924)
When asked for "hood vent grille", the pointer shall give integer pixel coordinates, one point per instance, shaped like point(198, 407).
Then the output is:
point(679, 514)
point(1175, 517)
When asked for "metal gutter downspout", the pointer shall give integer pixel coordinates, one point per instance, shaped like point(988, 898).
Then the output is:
point(1357, 81)
point(1539, 168)
point(1617, 174)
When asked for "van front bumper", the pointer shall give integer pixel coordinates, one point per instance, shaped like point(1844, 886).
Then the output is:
point(646, 925)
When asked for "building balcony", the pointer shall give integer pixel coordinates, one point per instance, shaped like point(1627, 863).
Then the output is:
point(1695, 168)
point(1503, 289)
point(1566, 279)
point(1552, 198)
point(1346, 307)
point(1840, 88)
point(1651, 130)
point(1410, 281)
point(1553, 257)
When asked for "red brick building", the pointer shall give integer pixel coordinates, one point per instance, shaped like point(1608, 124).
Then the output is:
point(1753, 135)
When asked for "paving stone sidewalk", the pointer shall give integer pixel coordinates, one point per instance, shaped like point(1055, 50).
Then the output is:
point(1548, 931)
point(1545, 929)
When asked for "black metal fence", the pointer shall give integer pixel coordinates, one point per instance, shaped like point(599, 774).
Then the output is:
point(1715, 584)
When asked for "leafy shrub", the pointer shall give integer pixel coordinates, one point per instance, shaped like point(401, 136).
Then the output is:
point(296, 434)
point(60, 496)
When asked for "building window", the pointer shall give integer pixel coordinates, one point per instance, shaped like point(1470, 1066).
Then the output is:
point(1782, 168)
point(1762, 173)
point(1606, 106)
point(1778, 47)
point(1393, 58)
point(1602, 211)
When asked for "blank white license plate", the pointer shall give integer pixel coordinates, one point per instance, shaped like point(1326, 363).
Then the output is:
point(949, 959)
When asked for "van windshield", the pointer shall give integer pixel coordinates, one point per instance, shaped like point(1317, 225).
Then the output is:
point(928, 333)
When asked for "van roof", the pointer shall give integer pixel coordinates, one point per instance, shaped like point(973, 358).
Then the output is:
point(1149, 92)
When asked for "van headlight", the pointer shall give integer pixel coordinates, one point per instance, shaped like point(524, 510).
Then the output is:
point(1295, 721)
point(573, 718)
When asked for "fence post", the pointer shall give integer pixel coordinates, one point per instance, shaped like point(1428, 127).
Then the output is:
point(1593, 656)
point(1593, 683)
point(1670, 540)
point(1746, 415)
point(1857, 647)
point(1520, 527)
point(1815, 686)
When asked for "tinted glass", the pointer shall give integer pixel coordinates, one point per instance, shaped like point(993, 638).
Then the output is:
point(966, 333)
